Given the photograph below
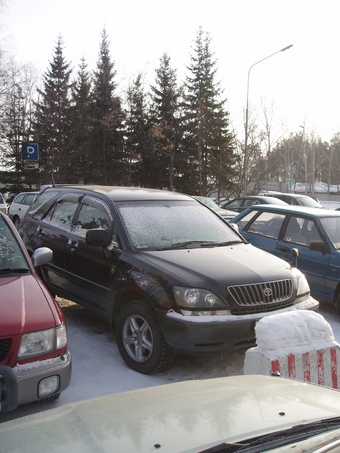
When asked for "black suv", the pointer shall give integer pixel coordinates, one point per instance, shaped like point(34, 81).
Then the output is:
point(169, 274)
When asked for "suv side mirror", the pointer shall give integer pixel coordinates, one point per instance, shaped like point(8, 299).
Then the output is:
point(319, 247)
point(97, 237)
point(235, 226)
point(41, 256)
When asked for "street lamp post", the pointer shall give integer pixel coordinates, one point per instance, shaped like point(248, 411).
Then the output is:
point(246, 125)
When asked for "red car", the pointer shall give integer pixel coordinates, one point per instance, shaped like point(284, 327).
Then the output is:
point(33, 335)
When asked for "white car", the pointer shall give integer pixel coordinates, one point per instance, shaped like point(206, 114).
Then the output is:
point(20, 205)
point(249, 413)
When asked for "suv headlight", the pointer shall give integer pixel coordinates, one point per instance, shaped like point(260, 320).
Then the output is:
point(42, 342)
point(302, 286)
point(197, 301)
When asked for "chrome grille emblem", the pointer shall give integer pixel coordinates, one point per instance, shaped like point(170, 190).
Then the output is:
point(267, 292)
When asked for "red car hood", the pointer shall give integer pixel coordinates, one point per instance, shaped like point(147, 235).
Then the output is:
point(27, 305)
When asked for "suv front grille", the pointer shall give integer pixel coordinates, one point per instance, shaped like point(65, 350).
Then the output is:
point(261, 297)
point(5, 346)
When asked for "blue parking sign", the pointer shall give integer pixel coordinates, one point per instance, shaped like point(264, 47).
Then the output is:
point(30, 152)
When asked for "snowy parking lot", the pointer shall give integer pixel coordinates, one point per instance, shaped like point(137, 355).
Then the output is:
point(99, 370)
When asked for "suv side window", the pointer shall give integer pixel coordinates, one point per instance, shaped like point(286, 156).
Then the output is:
point(38, 208)
point(62, 214)
point(90, 217)
point(92, 214)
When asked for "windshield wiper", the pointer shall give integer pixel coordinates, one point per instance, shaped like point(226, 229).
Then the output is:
point(201, 244)
point(187, 244)
point(278, 438)
point(15, 270)
point(223, 244)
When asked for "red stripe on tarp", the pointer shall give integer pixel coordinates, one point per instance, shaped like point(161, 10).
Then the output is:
point(275, 366)
point(306, 366)
point(321, 368)
point(291, 366)
point(334, 368)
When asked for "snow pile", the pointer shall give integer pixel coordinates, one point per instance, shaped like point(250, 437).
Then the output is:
point(319, 187)
point(299, 331)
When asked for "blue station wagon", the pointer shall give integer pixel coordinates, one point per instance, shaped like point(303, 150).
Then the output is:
point(314, 232)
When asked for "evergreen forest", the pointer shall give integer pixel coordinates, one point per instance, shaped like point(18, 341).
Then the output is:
point(173, 134)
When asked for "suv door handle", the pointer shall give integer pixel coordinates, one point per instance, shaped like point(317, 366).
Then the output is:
point(40, 231)
point(72, 244)
point(283, 248)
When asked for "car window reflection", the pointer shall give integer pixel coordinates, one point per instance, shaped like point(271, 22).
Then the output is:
point(11, 256)
point(91, 217)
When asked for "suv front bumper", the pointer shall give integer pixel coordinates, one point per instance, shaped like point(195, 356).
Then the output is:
point(35, 378)
point(209, 334)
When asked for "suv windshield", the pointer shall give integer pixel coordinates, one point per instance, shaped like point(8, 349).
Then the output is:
point(11, 257)
point(178, 223)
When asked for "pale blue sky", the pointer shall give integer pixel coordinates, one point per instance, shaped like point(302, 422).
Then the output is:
point(303, 82)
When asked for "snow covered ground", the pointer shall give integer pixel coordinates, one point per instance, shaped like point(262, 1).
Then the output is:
point(98, 369)
point(330, 204)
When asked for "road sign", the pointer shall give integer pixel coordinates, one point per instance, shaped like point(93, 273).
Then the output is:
point(30, 152)
point(31, 165)
point(290, 182)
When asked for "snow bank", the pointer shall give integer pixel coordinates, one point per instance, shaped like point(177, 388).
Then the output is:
point(299, 345)
point(294, 331)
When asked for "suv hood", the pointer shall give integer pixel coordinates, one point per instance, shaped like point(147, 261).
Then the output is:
point(26, 304)
point(219, 266)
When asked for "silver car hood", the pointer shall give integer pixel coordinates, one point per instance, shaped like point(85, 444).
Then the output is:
point(182, 417)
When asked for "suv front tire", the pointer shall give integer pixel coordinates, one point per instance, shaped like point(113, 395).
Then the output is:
point(140, 339)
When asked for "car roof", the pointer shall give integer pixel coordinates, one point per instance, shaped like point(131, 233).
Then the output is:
point(293, 195)
point(268, 198)
point(293, 210)
point(118, 193)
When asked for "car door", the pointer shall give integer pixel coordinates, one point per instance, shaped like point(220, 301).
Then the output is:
point(299, 232)
point(90, 267)
point(53, 232)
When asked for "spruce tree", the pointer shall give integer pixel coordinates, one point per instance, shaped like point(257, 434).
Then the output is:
point(164, 131)
point(81, 124)
point(53, 126)
point(136, 142)
point(107, 151)
point(207, 147)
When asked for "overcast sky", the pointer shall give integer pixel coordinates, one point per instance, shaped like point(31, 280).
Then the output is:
point(302, 82)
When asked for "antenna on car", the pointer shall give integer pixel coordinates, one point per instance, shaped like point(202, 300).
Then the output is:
point(52, 177)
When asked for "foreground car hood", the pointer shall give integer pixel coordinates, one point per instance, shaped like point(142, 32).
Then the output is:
point(26, 304)
point(220, 265)
point(183, 417)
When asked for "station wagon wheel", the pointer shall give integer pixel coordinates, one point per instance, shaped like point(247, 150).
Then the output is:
point(16, 222)
point(140, 339)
